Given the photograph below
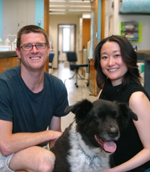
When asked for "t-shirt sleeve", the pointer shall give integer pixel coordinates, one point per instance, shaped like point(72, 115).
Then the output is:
point(61, 98)
point(5, 102)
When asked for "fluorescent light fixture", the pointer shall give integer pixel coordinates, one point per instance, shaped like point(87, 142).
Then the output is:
point(78, 10)
point(57, 10)
point(58, 0)
point(57, 6)
point(78, 6)
point(70, 1)
point(86, 16)
point(57, 13)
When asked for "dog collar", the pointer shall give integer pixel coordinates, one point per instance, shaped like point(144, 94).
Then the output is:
point(90, 159)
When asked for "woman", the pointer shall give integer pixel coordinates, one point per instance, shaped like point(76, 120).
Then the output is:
point(118, 79)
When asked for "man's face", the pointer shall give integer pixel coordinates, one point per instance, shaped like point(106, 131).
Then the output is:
point(33, 59)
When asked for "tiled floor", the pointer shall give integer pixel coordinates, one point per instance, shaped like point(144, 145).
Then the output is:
point(74, 94)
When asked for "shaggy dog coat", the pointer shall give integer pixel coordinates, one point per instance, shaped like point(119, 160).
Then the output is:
point(86, 145)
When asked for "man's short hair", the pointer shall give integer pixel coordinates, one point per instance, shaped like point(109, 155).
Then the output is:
point(29, 29)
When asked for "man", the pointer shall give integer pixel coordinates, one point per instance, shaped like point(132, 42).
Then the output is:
point(30, 100)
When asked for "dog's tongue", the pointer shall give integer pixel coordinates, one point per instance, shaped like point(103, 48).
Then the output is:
point(108, 146)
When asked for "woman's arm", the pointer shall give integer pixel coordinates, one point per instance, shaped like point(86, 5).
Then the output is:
point(140, 104)
point(99, 94)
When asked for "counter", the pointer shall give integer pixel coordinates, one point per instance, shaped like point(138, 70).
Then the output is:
point(147, 73)
point(4, 54)
point(144, 56)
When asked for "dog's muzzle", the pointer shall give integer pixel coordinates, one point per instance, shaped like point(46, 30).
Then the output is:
point(108, 146)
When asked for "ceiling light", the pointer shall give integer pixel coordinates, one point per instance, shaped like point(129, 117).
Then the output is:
point(57, 6)
point(78, 10)
point(57, 13)
point(57, 9)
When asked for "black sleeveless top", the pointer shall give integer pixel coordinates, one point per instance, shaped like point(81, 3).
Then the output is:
point(129, 143)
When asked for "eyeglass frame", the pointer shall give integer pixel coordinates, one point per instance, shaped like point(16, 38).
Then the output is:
point(33, 46)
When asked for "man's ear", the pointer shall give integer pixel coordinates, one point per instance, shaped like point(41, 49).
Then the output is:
point(18, 53)
point(49, 49)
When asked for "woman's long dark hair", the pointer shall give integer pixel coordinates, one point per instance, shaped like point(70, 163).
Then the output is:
point(129, 57)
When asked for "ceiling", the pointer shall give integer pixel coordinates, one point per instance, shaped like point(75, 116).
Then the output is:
point(69, 7)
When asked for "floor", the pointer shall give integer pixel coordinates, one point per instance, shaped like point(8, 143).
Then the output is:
point(74, 94)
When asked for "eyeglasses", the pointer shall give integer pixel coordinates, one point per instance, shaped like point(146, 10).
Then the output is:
point(29, 47)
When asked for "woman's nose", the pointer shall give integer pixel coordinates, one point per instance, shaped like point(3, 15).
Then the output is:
point(111, 61)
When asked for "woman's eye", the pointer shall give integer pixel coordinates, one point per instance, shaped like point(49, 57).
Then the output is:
point(104, 57)
point(117, 55)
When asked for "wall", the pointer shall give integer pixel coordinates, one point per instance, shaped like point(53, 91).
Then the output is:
point(1, 16)
point(39, 13)
point(54, 20)
point(144, 19)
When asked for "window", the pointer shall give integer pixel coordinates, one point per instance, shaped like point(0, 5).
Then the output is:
point(66, 39)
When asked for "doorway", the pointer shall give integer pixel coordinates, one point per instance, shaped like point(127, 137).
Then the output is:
point(66, 40)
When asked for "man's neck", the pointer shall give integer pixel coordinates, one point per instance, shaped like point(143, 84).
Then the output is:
point(34, 80)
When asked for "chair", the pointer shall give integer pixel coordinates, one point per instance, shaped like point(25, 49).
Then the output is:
point(51, 57)
point(72, 59)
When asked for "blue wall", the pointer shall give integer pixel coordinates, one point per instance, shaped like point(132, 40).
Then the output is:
point(39, 12)
point(1, 17)
point(99, 22)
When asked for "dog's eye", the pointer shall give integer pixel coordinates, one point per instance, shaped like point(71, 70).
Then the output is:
point(96, 119)
point(117, 115)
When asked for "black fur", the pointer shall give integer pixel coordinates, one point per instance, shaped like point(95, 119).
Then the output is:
point(102, 118)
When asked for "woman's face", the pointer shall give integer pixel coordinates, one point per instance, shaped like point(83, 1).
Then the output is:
point(111, 62)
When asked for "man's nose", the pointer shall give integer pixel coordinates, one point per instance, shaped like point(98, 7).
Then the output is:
point(34, 49)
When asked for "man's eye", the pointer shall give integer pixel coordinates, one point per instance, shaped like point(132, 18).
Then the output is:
point(28, 46)
point(39, 45)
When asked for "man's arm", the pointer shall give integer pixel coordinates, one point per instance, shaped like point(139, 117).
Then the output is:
point(10, 143)
point(55, 125)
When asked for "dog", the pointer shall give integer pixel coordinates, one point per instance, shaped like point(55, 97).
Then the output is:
point(86, 145)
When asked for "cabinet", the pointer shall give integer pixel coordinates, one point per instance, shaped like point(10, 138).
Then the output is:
point(12, 62)
point(19, 13)
point(8, 62)
point(3, 64)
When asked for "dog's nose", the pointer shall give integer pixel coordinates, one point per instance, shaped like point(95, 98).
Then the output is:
point(113, 132)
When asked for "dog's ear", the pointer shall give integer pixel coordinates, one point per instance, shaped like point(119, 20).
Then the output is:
point(80, 109)
point(125, 114)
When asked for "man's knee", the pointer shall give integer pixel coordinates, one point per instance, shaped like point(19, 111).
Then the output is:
point(46, 162)
point(33, 159)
